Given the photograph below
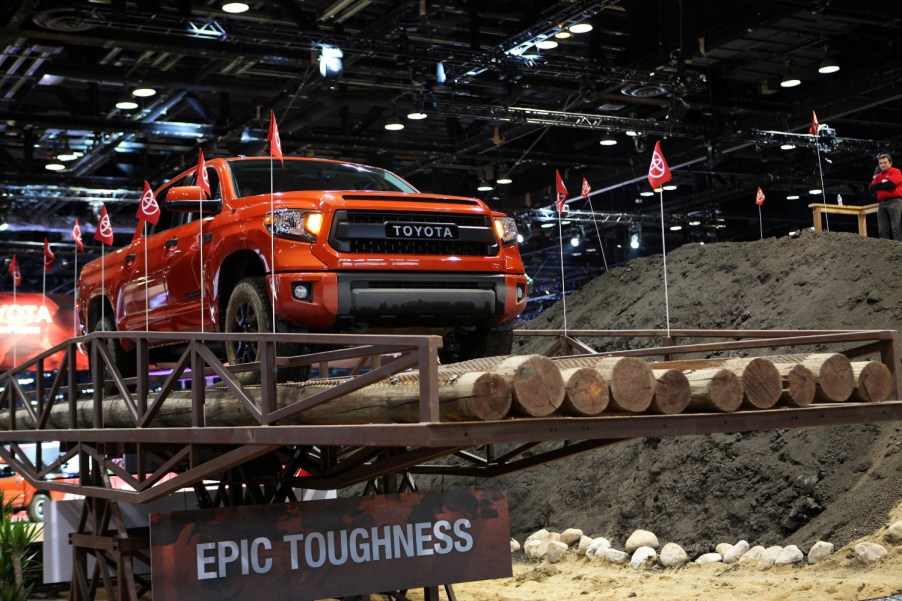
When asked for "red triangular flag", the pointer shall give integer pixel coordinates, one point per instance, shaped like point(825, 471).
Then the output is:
point(148, 209)
point(812, 129)
point(759, 197)
point(658, 171)
point(561, 197)
point(104, 231)
point(14, 272)
point(76, 236)
point(586, 188)
point(203, 180)
point(272, 138)
point(49, 257)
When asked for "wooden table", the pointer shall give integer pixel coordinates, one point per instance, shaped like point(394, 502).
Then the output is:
point(819, 208)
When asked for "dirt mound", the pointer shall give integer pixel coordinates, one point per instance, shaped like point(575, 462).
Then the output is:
point(775, 487)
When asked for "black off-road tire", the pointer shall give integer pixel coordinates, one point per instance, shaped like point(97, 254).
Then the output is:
point(37, 507)
point(249, 311)
point(123, 359)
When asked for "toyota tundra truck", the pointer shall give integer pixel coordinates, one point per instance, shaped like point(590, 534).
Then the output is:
point(345, 248)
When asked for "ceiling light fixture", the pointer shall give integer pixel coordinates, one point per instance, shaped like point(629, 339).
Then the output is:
point(484, 186)
point(330, 61)
point(815, 191)
point(608, 141)
point(504, 180)
point(143, 92)
point(695, 223)
point(631, 133)
point(634, 241)
point(66, 156)
point(235, 7)
point(790, 78)
point(394, 122)
point(547, 225)
point(670, 187)
point(54, 166)
point(675, 228)
point(546, 44)
point(792, 197)
point(787, 146)
point(563, 34)
point(416, 114)
point(126, 105)
point(828, 65)
point(581, 28)
point(646, 193)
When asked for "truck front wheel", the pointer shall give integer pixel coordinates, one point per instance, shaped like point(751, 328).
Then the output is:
point(122, 359)
point(37, 506)
point(249, 312)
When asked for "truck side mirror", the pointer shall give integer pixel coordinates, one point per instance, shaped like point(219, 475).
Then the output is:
point(188, 199)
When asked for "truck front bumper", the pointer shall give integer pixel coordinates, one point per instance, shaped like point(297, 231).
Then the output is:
point(406, 299)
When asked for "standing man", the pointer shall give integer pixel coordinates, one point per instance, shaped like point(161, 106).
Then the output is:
point(887, 186)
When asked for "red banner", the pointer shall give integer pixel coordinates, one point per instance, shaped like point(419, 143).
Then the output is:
point(329, 549)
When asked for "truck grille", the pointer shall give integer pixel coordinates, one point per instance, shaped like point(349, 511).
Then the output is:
point(364, 232)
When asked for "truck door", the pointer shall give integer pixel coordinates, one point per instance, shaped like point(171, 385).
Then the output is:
point(182, 272)
point(145, 292)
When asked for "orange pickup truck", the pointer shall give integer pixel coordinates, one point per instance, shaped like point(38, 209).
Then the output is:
point(356, 249)
point(23, 495)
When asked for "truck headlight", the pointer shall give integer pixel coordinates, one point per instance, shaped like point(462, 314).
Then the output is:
point(506, 228)
point(294, 224)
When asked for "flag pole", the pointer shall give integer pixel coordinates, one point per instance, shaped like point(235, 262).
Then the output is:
point(16, 339)
point(75, 296)
point(272, 242)
point(200, 206)
point(820, 169)
point(760, 222)
point(146, 284)
point(560, 239)
point(102, 279)
point(598, 233)
point(664, 255)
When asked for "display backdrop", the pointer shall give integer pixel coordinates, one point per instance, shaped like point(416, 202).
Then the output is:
point(33, 324)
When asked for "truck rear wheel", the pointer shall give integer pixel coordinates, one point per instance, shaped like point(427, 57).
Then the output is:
point(123, 360)
point(37, 506)
point(249, 312)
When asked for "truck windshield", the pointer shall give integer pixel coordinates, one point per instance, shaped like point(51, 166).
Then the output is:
point(253, 177)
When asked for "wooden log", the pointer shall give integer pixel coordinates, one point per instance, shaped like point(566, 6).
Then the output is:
point(715, 389)
point(873, 381)
point(537, 387)
point(761, 381)
point(586, 392)
point(833, 376)
point(473, 396)
point(672, 392)
point(630, 380)
point(797, 384)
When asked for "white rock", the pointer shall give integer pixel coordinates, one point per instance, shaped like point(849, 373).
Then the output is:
point(789, 555)
point(709, 558)
point(722, 548)
point(537, 535)
point(894, 534)
point(673, 556)
point(597, 546)
point(770, 555)
point(583, 546)
point(735, 553)
point(641, 538)
point(819, 551)
point(869, 552)
point(535, 549)
point(515, 546)
point(753, 554)
point(614, 556)
point(571, 536)
point(556, 550)
point(641, 555)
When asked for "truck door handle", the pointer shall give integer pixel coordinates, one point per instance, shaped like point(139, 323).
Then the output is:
point(171, 242)
point(208, 237)
point(130, 258)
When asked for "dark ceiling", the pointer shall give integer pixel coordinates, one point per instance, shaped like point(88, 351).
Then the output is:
point(702, 76)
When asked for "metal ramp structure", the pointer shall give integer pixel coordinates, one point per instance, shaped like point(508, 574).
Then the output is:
point(273, 453)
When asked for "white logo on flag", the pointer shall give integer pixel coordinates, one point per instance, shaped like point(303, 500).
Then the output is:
point(149, 204)
point(106, 229)
point(656, 170)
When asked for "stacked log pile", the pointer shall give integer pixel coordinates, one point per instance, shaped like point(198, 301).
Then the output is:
point(533, 386)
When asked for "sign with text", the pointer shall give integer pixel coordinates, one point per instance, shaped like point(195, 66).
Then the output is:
point(31, 323)
point(332, 548)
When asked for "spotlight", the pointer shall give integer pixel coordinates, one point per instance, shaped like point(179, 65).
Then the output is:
point(330, 61)
point(574, 241)
point(440, 73)
point(634, 241)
